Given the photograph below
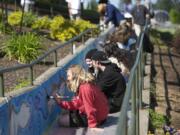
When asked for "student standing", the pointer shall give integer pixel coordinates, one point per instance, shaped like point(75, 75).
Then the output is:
point(74, 7)
point(139, 13)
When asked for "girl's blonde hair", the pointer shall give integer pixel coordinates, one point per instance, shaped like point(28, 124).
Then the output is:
point(79, 76)
point(102, 8)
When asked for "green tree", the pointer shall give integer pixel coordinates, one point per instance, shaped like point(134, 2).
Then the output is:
point(174, 16)
point(164, 5)
point(92, 5)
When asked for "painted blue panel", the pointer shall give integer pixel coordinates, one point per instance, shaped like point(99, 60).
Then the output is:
point(31, 113)
point(4, 119)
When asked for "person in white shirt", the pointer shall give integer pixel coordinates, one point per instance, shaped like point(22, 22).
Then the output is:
point(74, 9)
point(27, 4)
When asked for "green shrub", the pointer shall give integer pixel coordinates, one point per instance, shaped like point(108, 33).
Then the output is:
point(174, 16)
point(29, 18)
point(91, 15)
point(157, 120)
point(64, 30)
point(24, 48)
point(82, 25)
point(56, 23)
point(14, 19)
point(41, 23)
point(65, 34)
point(22, 84)
point(61, 29)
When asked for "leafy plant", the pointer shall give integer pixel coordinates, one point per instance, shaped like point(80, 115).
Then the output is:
point(61, 29)
point(14, 18)
point(41, 23)
point(29, 18)
point(174, 16)
point(21, 84)
point(56, 23)
point(157, 120)
point(66, 33)
point(82, 25)
point(24, 48)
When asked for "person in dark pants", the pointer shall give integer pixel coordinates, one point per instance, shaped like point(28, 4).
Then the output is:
point(110, 80)
point(139, 13)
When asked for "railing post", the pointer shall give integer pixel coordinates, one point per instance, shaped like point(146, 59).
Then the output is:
point(92, 33)
point(31, 75)
point(82, 40)
point(73, 48)
point(141, 78)
point(126, 125)
point(133, 112)
point(55, 58)
point(137, 102)
point(1, 85)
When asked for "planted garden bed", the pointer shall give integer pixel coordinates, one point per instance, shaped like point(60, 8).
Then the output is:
point(22, 45)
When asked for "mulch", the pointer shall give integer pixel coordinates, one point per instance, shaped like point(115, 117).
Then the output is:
point(19, 77)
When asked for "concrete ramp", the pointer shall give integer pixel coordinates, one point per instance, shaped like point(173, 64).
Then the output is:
point(108, 128)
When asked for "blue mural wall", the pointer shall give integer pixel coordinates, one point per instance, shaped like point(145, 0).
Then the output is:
point(31, 113)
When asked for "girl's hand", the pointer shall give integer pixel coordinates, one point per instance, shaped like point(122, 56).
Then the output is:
point(57, 98)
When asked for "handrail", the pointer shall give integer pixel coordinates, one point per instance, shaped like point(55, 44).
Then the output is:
point(30, 65)
point(133, 94)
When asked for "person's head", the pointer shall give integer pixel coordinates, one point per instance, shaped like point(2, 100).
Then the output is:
point(89, 56)
point(138, 2)
point(76, 75)
point(110, 48)
point(100, 59)
point(102, 8)
point(128, 18)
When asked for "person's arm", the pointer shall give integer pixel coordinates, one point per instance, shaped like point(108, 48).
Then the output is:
point(88, 101)
point(104, 82)
point(110, 14)
point(147, 12)
point(74, 104)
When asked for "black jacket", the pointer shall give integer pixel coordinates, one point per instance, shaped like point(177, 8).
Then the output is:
point(113, 84)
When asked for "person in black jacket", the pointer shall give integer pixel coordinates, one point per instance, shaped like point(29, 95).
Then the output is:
point(110, 80)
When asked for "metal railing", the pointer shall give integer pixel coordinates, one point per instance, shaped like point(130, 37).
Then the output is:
point(51, 51)
point(132, 101)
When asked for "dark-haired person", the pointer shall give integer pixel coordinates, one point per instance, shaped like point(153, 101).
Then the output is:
point(88, 60)
point(111, 81)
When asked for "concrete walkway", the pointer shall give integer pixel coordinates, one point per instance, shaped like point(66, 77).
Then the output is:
point(108, 128)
